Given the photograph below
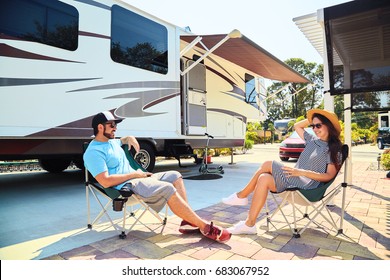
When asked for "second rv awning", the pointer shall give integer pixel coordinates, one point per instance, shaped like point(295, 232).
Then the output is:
point(247, 54)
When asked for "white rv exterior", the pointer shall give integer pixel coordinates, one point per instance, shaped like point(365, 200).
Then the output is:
point(384, 119)
point(62, 62)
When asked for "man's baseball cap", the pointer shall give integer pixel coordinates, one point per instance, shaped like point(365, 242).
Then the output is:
point(104, 117)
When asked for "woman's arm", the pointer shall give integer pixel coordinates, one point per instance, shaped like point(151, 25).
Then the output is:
point(321, 177)
point(300, 127)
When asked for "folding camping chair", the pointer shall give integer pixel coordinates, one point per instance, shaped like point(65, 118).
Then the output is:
point(315, 199)
point(119, 203)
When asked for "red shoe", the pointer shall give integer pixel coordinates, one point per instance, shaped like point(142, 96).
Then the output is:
point(187, 228)
point(216, 233)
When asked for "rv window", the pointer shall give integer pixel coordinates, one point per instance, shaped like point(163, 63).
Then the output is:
point(48, 22)
point(138, 41)
point(250, 89)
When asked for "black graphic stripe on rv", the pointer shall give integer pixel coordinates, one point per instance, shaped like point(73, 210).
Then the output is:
point(143, 100)
point(6, 82)
point(230, 113)
point(147, 84)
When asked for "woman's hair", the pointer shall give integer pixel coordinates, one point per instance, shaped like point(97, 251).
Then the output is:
point(334, 142)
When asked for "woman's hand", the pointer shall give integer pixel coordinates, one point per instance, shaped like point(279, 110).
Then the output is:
point(290, 172)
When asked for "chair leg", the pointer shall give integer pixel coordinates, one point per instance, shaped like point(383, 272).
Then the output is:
point(102, 212)
point(294, 215)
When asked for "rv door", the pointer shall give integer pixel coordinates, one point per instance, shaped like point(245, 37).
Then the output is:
point(195, 113)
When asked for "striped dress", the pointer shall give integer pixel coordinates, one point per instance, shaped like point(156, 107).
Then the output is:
point(315, 157)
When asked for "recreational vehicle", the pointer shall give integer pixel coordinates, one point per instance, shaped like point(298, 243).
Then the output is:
point(281, 126)
point(62, 62)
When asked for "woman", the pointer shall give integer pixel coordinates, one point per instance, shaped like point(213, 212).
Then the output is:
point(318, 163)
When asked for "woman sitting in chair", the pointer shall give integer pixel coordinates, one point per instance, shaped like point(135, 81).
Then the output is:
point(318, 163)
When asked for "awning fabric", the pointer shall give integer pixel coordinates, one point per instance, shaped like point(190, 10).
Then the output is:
point(247, 54)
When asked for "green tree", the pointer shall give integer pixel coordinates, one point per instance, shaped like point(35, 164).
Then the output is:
point(294, 99)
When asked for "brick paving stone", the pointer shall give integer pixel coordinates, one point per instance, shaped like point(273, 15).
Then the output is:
point(367, 241)
point(381, 254)
point(147, 250)
point(281, 240)
point(112, 244)
point(333, 254)
point(267, 254)
point(82, 253)
point(141, 234)
point(182, 249)
point(204, 253)
point(236, 257)
point(220, 255)
point(178, 256)
point(244, 249)
point(357, 250)
point(383, 242)
point(320, 242)
point(300, 249)
point(117, 255)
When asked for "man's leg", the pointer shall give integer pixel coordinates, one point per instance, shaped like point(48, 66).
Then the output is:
point(181, 208)
point(179, 186)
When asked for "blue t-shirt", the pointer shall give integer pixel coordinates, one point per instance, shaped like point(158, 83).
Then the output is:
point(107, 156)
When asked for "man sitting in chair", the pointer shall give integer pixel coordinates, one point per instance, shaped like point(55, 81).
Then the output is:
point(318, 163)
point(107, 162)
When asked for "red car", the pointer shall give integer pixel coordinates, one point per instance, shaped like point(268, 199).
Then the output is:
point(292, 146)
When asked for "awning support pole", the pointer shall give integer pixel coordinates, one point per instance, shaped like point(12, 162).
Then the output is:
point(234, 34)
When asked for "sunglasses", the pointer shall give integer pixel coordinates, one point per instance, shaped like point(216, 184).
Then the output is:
point(112, 124)
point(317, 125)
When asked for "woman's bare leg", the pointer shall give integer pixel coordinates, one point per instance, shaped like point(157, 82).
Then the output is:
point(266, 167)
point(264, 183)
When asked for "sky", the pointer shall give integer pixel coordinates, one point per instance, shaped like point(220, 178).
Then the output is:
point(269, 23)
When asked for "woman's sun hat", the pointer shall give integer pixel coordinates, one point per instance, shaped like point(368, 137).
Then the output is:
point(332, 117)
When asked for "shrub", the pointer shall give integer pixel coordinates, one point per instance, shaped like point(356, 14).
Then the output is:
point(385, 159)
point(252, 135)
point(248, 144)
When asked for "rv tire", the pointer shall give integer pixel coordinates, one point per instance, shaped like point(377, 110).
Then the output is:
point(54, 165)
point(146, 156)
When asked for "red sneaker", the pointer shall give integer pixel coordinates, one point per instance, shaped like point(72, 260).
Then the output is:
point(187, 228)
point(216, 233)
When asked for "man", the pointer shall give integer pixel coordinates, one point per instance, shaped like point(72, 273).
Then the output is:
point(107, 162)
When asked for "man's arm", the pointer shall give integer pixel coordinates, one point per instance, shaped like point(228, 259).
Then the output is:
point(131, 141)
point(108, 181)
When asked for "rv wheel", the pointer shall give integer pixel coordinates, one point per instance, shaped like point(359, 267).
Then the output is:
point(146, 156)
point(54, 165)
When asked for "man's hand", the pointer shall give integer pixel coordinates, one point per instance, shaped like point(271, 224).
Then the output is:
point(132, 142)
point(142, 174)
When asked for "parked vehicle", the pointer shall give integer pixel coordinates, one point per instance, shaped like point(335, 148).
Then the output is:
point(282, 125)
point(383, 139)
point(292, 146)
point(62, 62)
